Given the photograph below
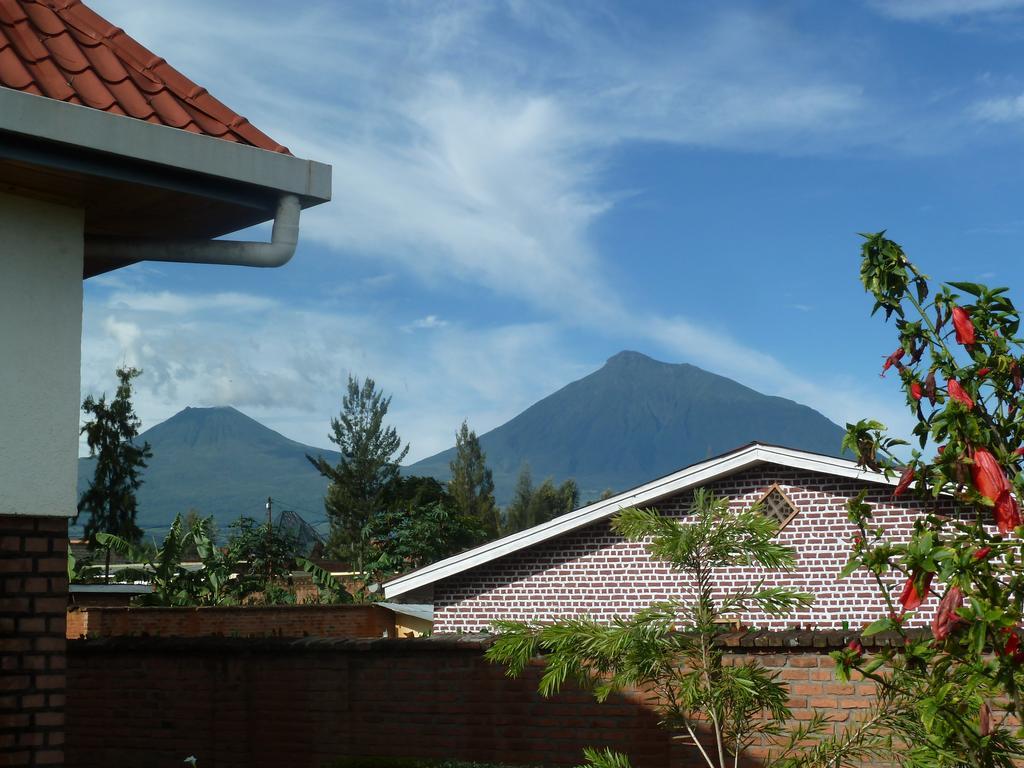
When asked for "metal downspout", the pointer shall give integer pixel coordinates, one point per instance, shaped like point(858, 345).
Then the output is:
point(283, 239)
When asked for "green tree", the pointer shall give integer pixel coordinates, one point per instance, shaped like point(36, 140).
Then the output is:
point(471, 485)
point(110, 434)
point(363, 478)
point(254, 561)
point(532, 506)
point(422, 525)
point(694, 689)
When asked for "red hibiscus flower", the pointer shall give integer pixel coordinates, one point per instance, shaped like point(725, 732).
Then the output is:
point(946, 617)
point(990, 481)
point(911, 597)
point(905, 480)
point(957, 393)
point(1012, 647)
point(963, 326)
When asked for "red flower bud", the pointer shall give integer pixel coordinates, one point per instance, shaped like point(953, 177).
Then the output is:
point(984, 371)
point(912, 597)
point(905, 480)
point(1019, 451)
point(963, 326)
point(941, 449)
point(893, 359)
point(929, 387)
point(1017, 379)
point(985, 719)
point(915, 390)
point(990, 481)
point(946, 617)
point(957, 393)
point(856, 646)
point(982, 553)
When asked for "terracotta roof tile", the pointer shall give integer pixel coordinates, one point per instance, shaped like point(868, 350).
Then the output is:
point(63, 50)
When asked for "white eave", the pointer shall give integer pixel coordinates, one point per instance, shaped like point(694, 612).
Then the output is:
point(690, 477)
point(41, 118)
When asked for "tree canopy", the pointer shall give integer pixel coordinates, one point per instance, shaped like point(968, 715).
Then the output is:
point(371, 454)
point(110, 434)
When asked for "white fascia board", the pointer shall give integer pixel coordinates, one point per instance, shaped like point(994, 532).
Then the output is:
point(690, 477)
point(39, 117)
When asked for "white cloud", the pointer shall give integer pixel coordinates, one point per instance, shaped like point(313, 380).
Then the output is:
point(1007, 109)
point(182, 304)
point(427, 323)
point(287, 368)
point(460, 156)
point(933, 10)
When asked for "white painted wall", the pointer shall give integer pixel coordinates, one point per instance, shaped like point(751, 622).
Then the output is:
point(40, 348)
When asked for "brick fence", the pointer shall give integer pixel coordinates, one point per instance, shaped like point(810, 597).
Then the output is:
point(293, 621)
point(33, 596)
point(303, 703)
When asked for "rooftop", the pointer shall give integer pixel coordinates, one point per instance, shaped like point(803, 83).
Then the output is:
point(62, 50)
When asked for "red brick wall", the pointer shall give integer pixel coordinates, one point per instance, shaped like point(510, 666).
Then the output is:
point(595, 572)
point(33, 597)
point(369, 621)
point(301, 704)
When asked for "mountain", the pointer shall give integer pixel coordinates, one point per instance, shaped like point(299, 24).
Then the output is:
point(636, 419)
point(632, 420)
point(223, 463)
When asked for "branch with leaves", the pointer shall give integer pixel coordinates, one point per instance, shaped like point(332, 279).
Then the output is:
point(670, 650)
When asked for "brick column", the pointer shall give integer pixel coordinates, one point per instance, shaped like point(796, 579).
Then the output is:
point(33, 604)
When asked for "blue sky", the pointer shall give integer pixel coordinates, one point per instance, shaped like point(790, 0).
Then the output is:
point(522, 189)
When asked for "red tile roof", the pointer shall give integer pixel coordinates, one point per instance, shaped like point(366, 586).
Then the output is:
point(63, 50)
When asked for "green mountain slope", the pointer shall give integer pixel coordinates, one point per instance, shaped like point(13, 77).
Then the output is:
point(223, 463)
point(636, 419)
point(633, 420)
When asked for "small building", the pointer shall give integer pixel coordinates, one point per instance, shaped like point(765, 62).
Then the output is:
point(108, 156)
point(576, 565)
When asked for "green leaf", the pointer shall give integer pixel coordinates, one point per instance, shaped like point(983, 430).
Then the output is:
point(881, 625)
point(972, 288)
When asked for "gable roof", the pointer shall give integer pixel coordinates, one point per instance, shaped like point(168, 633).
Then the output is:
point(63, 50)
point(689, 477)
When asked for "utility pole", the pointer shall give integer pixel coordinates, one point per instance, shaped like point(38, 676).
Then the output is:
point(270, 537)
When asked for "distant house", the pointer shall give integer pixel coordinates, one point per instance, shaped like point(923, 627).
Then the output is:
point(576, 565)
point(108, 156)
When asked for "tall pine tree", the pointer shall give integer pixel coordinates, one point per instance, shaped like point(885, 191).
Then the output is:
point(471, 485)
point(110, 434)
point(364, 477)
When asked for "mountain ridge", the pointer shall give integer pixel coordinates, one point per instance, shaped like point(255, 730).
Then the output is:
point(630, 421)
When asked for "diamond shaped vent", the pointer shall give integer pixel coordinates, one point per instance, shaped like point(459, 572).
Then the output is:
point(777, 505)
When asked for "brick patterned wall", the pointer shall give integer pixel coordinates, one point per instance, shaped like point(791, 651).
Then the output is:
point(368, 621)
point(592, 571)
point(33, 598)
point(302, 704)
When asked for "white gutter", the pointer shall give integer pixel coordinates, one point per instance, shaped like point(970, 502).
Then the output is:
point(284, 237)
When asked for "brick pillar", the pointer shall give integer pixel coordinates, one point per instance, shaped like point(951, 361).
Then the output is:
point(33, 604)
